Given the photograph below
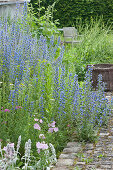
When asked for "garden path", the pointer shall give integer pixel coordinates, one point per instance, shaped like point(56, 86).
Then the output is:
point(92, 156)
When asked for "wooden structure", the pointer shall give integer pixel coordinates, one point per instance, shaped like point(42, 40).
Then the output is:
point(106, 70)
point(8, 8)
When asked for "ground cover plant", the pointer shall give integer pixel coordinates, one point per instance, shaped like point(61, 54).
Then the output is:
point(41, 102)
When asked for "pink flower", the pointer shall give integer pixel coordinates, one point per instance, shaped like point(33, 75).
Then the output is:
point(41, 121)
point(41, 136)
point(1, 108)
point(41, 146)
point(36, 126)
point(68, 125)
point(5, 148)
point(52, 124)
point(51, 130)
point(18, 107)
point(11, 145)
point(9, 149)
point(36, 120)
point(56, 129)
point(6, 110)
point(38, 150)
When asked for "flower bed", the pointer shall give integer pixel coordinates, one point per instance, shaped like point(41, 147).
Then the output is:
point(41, 100)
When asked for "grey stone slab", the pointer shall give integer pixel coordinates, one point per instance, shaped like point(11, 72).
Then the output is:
point(105, 166)
point(106, 158)
point(72, 150)
point(64, 162)
point(80, 163)
point(110, 137)
point(89, 146)
point(99, 148)
point(98, 145)
point(73, 144)
point(97, 169)
point(68, 156)
point(78, 167)
point(108, 153)
point(106, 163)
point(97, 163)
point(103, 130)
point(88, 151)
point(109, 149)
point(89, 167)
point(60, 168)
point(103, 134)
point(107, 143)
point(97, 153)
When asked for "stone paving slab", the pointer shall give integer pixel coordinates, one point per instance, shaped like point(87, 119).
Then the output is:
point(72, 150)
point(61, 168)
point(64, 162)
point(67, 156)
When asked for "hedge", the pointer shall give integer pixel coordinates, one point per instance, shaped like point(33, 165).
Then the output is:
point(70, 11)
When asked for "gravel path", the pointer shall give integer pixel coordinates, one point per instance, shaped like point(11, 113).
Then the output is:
point(98, 156)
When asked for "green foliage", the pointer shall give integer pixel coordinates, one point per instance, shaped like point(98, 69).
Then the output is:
point(96, 47)
point(42, 23)
point(69, 12)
